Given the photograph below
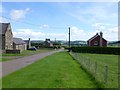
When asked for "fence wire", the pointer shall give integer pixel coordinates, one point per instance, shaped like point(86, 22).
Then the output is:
point(100, 71)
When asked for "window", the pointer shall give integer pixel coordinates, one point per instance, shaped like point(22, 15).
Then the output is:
point(96, 43)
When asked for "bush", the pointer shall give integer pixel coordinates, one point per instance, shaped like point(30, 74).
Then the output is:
point(99, 50)
point(65, 47)
point(50, 47)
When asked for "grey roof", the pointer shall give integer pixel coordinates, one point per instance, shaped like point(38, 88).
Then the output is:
point(26, 41)
point(18, 41)
point(3, 27)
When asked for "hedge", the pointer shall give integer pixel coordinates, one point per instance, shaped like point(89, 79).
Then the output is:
point(98, 50)
point(52, 47)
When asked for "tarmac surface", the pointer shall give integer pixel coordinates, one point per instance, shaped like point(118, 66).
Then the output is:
point(14, 65)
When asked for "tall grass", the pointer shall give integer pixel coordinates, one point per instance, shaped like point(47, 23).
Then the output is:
point(96, 64)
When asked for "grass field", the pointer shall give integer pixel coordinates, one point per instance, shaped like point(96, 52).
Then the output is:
point(6, 57)
point(56, 71)
point(102, 59)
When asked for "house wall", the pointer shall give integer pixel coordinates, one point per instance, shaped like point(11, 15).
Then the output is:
point(8, 39)
point(20, 47)
point(104, 43)
point(97, 39)
point(2, 45)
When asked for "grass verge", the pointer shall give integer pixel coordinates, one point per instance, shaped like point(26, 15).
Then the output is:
point(7, 57)
point(56, 71)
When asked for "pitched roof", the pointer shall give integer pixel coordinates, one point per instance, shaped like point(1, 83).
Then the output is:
point(3, 27)
point(97, 35)
point(94, 37)
point(26, 41)
point(18, 41)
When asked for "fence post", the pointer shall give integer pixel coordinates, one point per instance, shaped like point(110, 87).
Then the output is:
point(106, 74)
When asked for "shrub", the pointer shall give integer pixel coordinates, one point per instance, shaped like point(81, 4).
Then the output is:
point(99, 50)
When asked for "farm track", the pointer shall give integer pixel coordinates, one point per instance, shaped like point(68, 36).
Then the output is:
point(11, 66)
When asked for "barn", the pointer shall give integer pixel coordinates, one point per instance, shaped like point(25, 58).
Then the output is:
point(97, 40)
point(19, 44)
point(6, 37)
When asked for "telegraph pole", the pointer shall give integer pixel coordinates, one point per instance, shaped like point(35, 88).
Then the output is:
point(69, 39)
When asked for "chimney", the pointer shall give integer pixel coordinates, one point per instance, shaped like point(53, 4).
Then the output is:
point(101, 36)
point(29, 43)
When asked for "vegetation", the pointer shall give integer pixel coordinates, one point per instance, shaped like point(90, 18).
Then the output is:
point(99, 50)
point(6, 57)
point(56, 44)
point(56, 71)
point(113, 44)
point(102, 60)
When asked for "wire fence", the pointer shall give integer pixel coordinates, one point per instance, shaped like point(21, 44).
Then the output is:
point(99, 70)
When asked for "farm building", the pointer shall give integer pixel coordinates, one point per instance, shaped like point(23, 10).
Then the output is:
point(97, 40)
point(47, 42)
point(10, 44)
point(19, 44)
point(28, 42)
point(6, 36)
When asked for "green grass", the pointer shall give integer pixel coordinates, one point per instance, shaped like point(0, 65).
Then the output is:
point(102, 59)
point(28, 52)
point(7, 57)
point(56, 71)
point(114, 45)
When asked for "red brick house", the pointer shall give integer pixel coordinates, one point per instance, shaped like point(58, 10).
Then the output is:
point(97, 40)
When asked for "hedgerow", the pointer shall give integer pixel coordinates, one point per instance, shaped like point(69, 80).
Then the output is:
point(98, 50)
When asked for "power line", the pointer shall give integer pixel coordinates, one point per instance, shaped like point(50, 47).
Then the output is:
point(35, 25)
point(20, 21)
point(28, 23)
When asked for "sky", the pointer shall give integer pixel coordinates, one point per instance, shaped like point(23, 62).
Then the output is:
point(41, 20)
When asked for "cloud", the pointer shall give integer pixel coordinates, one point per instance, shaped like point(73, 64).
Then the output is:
point(44, 26)
point(110, 34)
point(76, 31)
point(36, 35)
point(114, 30)
point(1, 20)
point(100, 26)
point(78, 34)
point(92, 12)
point(19, 14)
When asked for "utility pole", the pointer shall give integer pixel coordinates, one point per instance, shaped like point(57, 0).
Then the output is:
point(55, 40)
point(69, 39)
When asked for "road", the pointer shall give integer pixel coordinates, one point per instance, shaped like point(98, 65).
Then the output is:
point(13, 65)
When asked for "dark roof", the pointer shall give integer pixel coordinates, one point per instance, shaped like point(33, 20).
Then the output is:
point(18, 41)
point(3, 27)
point(93, 37)
point(97, 35)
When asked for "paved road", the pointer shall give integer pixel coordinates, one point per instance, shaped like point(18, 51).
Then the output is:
point(13, 65)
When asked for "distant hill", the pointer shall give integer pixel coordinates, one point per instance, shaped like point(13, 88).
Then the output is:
point(77, 42)
point(114, 43)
